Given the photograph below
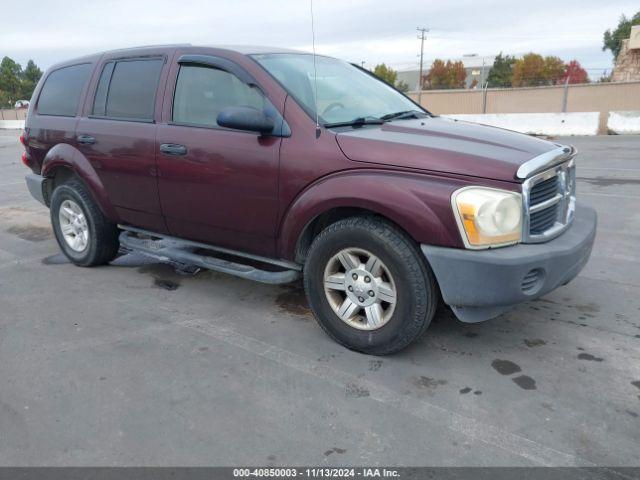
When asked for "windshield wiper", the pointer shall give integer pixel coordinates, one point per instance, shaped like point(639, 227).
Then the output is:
point(356, 122)
point(403, 114)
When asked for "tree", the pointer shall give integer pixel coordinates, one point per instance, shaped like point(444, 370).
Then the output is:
point(402, 86)
point(554, 69)
point(501, 73)
point(528, 70)
point(29, 80)
point(532, 70)
point(457, 74)
point(10, 73)
point(385, 73)
point(613, 40)
point(437, 78)
point(574, 73)
point(446, 75)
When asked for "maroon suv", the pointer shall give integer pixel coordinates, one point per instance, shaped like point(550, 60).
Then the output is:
point(269, 164)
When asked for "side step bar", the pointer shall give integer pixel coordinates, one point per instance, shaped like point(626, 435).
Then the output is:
point(171, 249)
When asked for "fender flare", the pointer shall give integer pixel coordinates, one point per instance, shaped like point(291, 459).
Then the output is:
point(66, 156)
point(419, 204)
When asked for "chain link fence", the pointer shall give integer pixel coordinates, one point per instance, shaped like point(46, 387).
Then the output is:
point(587, 97)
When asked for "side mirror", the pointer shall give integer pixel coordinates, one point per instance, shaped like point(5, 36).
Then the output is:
point(245, 118)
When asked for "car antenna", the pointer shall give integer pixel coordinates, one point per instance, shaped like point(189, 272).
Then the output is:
point(315, 71)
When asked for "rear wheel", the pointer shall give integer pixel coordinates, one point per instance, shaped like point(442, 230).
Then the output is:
point(368, 286)
point(84, 234)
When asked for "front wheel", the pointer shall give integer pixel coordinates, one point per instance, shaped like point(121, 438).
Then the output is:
point(368, 286)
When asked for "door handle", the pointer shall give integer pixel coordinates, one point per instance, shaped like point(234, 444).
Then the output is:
point(173, 149)
point(85, 139)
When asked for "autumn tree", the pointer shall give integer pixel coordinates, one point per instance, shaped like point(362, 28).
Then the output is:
point(554, 69)
point(574, 73)
point(532, 70)
point(501, 73)
point(446, 75)
point(612, 40)
point(457, 74)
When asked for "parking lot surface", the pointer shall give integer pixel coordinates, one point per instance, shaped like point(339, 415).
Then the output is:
point(135, 364)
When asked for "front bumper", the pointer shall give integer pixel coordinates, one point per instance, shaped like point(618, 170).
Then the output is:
point(481, 284)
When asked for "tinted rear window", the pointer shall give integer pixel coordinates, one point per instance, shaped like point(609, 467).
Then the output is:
point(132, 90)
point(61, 91)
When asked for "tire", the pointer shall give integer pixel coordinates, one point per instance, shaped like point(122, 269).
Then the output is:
point(394, 324)
point(101, 234)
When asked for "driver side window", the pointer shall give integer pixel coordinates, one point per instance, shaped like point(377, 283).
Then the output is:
point(203, 92)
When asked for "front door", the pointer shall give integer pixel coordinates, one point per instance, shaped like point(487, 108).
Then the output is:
point(217, 185)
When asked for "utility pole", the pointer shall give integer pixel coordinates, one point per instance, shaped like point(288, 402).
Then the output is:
point(422, 37)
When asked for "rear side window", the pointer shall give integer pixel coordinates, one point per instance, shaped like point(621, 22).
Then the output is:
point(203, 92)
point(127, 89)
point(62, 89)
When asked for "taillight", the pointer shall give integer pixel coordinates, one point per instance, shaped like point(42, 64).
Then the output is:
point(24, 157)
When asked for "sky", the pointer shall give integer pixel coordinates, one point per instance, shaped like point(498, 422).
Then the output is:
point(373, 31)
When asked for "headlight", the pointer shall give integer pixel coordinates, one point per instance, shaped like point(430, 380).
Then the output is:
point(487, 217)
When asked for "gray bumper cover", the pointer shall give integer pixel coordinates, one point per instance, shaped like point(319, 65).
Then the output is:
point(480, 285)
point(35, 184)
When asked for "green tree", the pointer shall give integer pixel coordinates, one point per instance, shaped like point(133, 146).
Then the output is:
point(402, 86)
point(10, 73)
point(613, 40)
point(501, 73)
point(385, 73)
point(30, 77)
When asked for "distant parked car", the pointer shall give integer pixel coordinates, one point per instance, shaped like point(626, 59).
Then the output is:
point(229, 159)
point(22, 104)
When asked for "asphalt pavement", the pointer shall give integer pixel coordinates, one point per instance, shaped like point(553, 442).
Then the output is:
point(135, 364)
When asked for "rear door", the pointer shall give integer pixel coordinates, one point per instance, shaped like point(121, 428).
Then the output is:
point(218, 186)
point(117, 135)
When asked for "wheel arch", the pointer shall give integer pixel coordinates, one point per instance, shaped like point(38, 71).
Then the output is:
point(406, 201)
point(63, 162)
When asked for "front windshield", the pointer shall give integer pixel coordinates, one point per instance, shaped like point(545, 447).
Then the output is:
point(345, 93)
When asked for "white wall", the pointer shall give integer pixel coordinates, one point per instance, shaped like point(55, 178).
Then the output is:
point(622, 123)
point(554, 124)
point(12, 124)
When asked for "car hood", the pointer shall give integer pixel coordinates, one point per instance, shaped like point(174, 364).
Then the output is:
point(444, 145)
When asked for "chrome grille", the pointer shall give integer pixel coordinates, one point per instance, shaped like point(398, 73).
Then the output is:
point(544, 190)
point(549, 202)
point(543, 220)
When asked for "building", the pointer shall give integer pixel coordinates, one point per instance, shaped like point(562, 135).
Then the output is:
point(627, 67)
point(476, 66)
